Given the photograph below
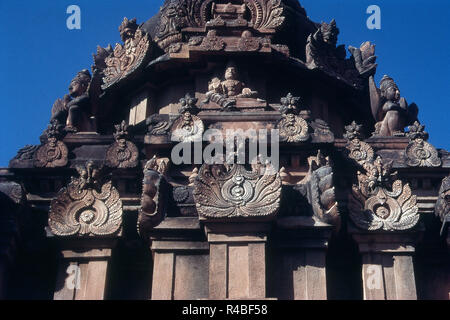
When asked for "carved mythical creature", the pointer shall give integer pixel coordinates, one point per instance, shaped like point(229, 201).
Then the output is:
point(24, 154)
point(122, 153)
point(88, 206)
point(187, 127)
point(389, 109)
point(75, 109)
point(293, 128)
point(223, 92)
point(53, 153)
point(365, 59)
point(442, 209)
point(318, 188)
point(419, 153)
point(127, 58)
point(223, 191)
point(154, 195)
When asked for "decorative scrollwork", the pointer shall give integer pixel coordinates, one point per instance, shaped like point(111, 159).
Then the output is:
point(419, 153)
point(88, 206)
point(54, 153)
point(356, 149)
point(127, 58)
point(122, 153)
point(221, 191)
point(212, 42)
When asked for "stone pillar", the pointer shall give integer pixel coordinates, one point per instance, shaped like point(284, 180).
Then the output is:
point(180, 260)
point(82, 271)
point(387, 264)
point(301, 244)
point(237, 264)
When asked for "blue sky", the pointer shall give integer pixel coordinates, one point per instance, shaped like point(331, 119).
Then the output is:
point(40, 55)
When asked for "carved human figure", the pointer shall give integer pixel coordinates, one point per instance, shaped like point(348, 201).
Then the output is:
point(220, 92)
point(74, 108)
point(389, 108)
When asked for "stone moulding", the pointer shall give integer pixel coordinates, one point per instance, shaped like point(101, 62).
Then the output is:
point(122, 153)
point(222, 191)
point(53, 153)
point(88, 206)
point(419, 153)
point(375, 203)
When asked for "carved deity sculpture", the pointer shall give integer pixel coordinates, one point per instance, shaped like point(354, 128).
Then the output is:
point(225, 92)
point(75, 109)
point(442, 209)
point(389, 109)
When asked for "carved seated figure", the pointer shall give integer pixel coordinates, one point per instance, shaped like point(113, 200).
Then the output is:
point(389, 109)
point(220, 92)
point(74, 109)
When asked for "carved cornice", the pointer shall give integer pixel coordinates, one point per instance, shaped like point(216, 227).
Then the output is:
point(222, 191)
point(53, 153)
point(88, 206)
point(126, 58)
point(154, 195)
point(122, 153)
point(378, 201)
point(419, 153)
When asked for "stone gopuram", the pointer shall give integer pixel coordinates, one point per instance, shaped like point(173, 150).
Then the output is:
point(228, 149)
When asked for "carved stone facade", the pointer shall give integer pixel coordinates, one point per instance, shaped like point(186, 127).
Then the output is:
point(257, 184)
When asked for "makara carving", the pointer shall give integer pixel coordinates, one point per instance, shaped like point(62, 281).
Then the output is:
point(378, 201)
point(89, 206)
point(187, 127)
point(126, 58)
point(122, 153)
point(223, 191)
point(318, 188)
point(154, 195)
point(53, 153)
point(419, 153)
point(293, 128)
point(323, 53)
point(158, 124)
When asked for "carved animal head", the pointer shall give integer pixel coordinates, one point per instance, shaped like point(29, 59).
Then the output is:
point(127, 29)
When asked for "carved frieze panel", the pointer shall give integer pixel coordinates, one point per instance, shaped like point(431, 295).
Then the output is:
point(53, 153)
point(419, 153)
point(89, 206)
point(122, 153)
point(154, 195)
point(223, 191)
point(187, 127)
point(126, 58)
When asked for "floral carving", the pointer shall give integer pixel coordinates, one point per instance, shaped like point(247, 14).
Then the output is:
point(376, 202)
point(248, 43)
point(122, 153)
point(127, 58)
point(221, 191)
point(53, 153)
point(187, 127)
point(293, 128)
point(212, 42)
point(419, 153)
point(88, 206)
